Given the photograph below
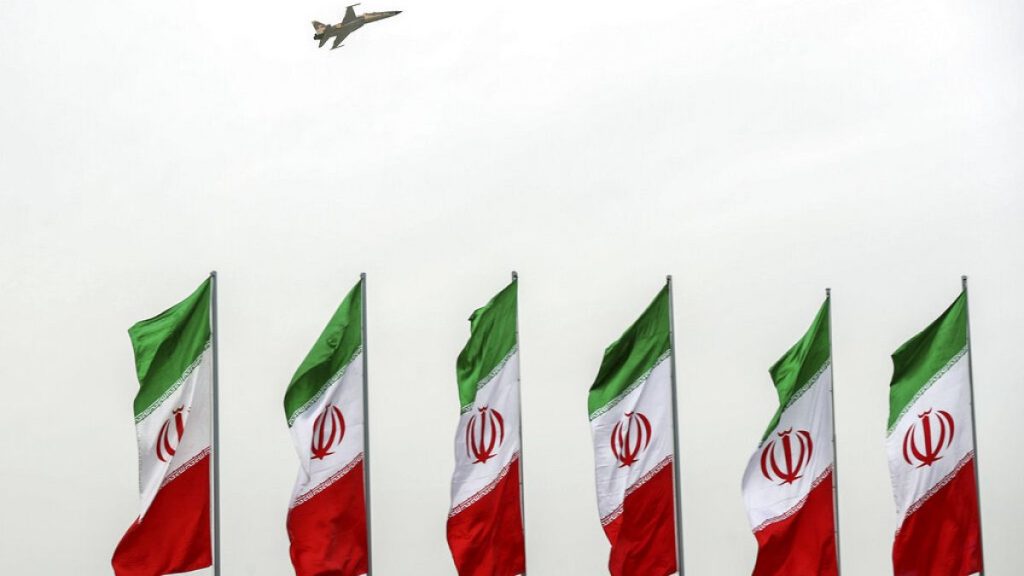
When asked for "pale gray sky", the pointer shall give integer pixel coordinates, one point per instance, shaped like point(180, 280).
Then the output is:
point(758, 150)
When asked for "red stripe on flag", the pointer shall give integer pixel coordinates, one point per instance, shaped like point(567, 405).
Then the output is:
point(643, 536)
point(174, 536)
point(801, 543)
point(328, 531)
point(942, 537)
point(486, 539)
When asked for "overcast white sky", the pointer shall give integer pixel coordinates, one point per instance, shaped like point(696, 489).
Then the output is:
point(759, 151)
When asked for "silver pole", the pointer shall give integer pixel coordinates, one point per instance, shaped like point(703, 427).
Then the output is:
point(519, 390)
point(366, 427)
point(215, 422)
point(835, 450)
point(974, 420)
point(675, 432)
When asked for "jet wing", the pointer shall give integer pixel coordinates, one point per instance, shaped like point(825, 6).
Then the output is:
point(350, 14)
point(339, 39)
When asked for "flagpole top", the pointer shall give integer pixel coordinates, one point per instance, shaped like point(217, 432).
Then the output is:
point(668, 278)
point(362, 275)
point(828, 292)
point(963, 281)
point(515, 275)
point(213, 274)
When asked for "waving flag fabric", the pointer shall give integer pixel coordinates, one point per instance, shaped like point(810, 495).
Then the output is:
point(630, 406)
point(788, 484)
point(931, 451)
point(173, 360)
point(485, 523)
point(324, 408)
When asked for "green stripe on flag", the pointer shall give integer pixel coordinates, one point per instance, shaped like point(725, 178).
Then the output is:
point(168, 346)
point(630, 359)
point(926, 357)
point(802, 364)
point(338, 344)
point(492, 338)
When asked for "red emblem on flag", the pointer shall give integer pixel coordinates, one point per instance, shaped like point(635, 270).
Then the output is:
point(485, 434)
point(328, 430)
point(168, 438)
point(797, 449)
point(630, 437)
point(936, 434)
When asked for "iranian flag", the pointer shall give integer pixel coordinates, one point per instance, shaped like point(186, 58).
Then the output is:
point(326, 412)
point(173, 413)
point(788, 486)
point(631, 406)
point(485, 523)
point(931, 451)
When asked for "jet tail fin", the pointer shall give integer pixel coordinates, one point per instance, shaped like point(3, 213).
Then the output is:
point(319, 26)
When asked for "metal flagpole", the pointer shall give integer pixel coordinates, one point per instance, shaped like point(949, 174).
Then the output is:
point(366, 427)
point(675, 433)
point(519, 391)
point(835, 451)
point(974, 420)
point(215, 424)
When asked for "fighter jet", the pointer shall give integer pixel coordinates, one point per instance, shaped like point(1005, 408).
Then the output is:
point(350, 24)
